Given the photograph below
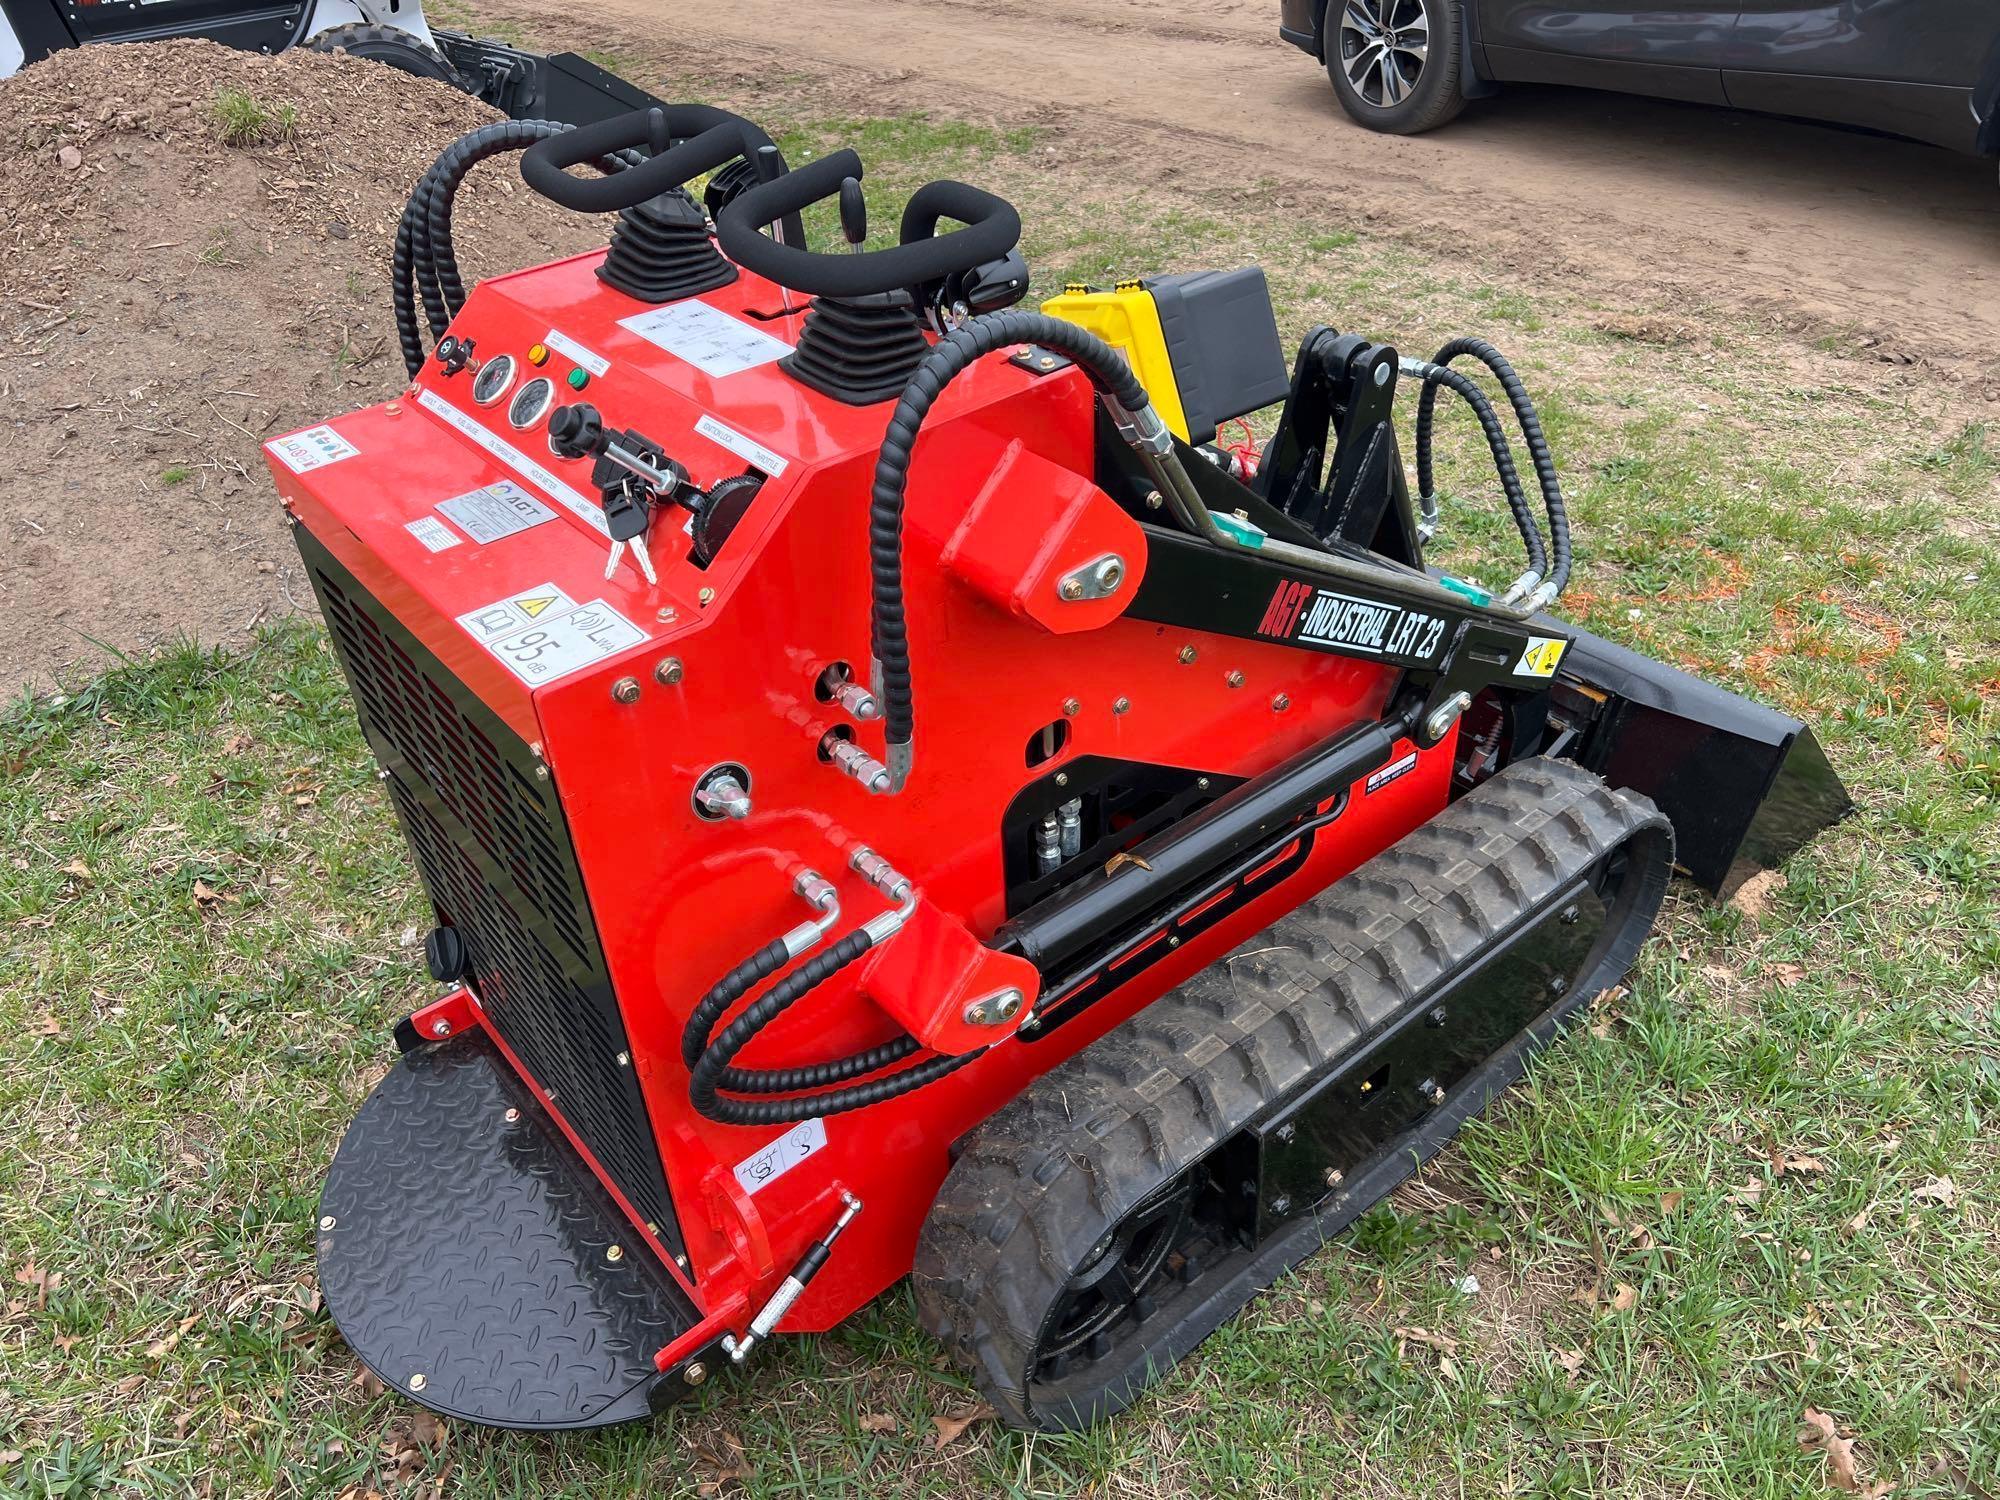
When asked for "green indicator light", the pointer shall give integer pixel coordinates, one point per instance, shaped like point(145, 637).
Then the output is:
point(578, 379)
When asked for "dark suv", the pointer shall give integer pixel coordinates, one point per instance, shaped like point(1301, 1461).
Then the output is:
point(1923, 68)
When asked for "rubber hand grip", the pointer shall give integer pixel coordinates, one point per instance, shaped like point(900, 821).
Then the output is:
point(544, 165)
point(992, 229)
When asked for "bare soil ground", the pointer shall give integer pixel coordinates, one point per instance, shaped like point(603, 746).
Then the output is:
point(171, 301)
point(1836, 233)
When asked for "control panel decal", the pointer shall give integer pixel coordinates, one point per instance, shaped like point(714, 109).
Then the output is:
point(583, 509)
point(707, 338)
point(541, 634)
point(498, 510)
point(563, 344)
point(748, 449)
point(314, 448)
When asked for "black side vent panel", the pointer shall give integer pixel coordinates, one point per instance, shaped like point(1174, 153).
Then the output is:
point(493, 847)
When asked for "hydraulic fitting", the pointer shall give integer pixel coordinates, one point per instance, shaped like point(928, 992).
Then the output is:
point(849, 757)
point(721, 794)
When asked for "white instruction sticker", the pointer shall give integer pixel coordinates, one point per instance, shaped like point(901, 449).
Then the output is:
point(807, 1138)
point(561, 636)
point(577, 505)
point(505, 616)
point(562, 343)
point(498, 510)
point(433, 533)
point(748, 449)
point(314, 448)
point(706, 337)
point(1394, 771)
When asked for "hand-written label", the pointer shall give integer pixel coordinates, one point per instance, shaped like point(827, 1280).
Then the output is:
point(807, 1138)
point(314, 448)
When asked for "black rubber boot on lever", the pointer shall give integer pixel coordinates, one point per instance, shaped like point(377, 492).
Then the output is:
point(1101, 1225)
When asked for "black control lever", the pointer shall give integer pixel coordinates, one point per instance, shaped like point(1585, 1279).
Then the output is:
point(853, 213)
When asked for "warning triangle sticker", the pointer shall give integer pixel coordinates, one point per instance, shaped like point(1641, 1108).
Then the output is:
point(532, 608)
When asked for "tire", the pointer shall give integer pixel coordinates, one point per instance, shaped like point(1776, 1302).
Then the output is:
point(384, 44)
point(1069, 1259)
point(1407, 87)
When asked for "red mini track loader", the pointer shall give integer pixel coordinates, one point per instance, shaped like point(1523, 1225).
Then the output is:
point(899, 798)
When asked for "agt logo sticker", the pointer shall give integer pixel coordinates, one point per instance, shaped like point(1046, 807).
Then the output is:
point(1320, 617)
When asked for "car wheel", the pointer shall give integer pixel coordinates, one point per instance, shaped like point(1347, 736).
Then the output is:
point(1394, 63)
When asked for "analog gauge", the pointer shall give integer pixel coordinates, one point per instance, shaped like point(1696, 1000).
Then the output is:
point(491, 383)
point(532, 402)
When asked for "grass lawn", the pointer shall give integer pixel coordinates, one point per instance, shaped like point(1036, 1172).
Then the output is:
point(1760, 1181)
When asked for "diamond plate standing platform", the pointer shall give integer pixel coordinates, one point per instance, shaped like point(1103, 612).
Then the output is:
point(467, 1258)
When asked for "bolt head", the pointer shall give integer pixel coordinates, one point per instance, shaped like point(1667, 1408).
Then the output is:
point(1154, 500)
point(695, 1373)
point(1281, 1204)
point(1280, 703)
point(1072, 588)
point(512, 1116)
point(1109, 573)
point(1188, 654)
point(624, 1059)
point(1234, 679)
point(1071, 708)
point(440, 1027)
point(1287, 1133)
point(417, 1381)
point(327, 1221)
point(669, 671)
point(1062, 778)
point(614, 1253)
point(1335, 1177)
point(1122, 705)
point(705, 598)
point(625, 690)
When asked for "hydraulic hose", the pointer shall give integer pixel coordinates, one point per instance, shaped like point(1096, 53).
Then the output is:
point(812, 1085)
point(1503, 460)
point(953, 354)
point(1531, 429)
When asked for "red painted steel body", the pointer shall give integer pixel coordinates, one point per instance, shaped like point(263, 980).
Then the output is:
point(1000, 481)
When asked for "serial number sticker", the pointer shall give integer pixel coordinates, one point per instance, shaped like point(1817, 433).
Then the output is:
point(314, 448)
point(504, 617)
point(807, 1138)
point(557, 645)
point(496, 511)
point(562, 343)
point(1391, 772)
point(707, 338)
point(433, 533)
point(1541, 657)
point(748, 449)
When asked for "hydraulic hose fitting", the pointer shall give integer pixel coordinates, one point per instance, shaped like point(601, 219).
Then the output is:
point(858, 701)
point(819, 894)
point(723, 796)
point(879, 873)
point(847, 756)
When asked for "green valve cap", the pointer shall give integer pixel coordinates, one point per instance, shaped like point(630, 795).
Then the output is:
point(1244, 533)
point(1471, 591)
point(579, 378)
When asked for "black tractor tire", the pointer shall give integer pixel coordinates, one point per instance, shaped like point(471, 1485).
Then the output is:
point(384, 44)
point(1094, 1176)
point(1391, 88)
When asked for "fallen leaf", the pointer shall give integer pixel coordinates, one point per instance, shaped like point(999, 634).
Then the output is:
point(78, 869)
point(1588, 1296)
point(1858, 1223)
point(207, 896)
point(1818, 1431)
point(1937, 1190)
point(1671, 1201)
point(952, 1425)
point(1788, 974)
point(11, 1456)
point(160, 1348)
point(1781, 1164)
point(236, 744)
point(44, 1282)
point(1625, 1298)
point(1444, 1343)
point(874, 1421)
point(47, 1025)
point(1570, 1359)
point(1753, 897)
point(428, 1430)
point(1750, 1194)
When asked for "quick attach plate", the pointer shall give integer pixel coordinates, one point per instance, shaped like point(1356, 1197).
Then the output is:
point(475, 1264)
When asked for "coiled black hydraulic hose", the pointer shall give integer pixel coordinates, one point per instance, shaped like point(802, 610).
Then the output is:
point(813, 1085)
point(953, 354)
point(424, 265)
point(1503, 460)
point(1531, 429)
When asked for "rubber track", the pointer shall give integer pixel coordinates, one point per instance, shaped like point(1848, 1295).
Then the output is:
point(1043, 1178)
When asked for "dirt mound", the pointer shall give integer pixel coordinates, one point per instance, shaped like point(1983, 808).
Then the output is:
point(171, 300)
